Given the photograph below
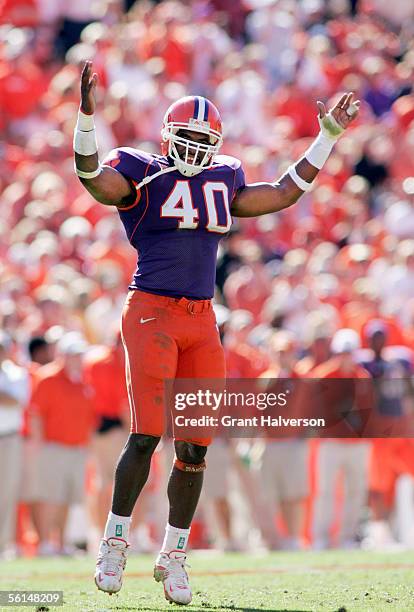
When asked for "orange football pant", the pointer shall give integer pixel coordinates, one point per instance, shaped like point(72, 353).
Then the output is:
point(166, 338)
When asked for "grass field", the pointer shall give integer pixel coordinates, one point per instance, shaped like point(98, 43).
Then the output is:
point(305, 581)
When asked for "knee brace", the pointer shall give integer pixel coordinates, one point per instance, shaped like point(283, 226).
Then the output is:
point(189, 457)
point(143, 444)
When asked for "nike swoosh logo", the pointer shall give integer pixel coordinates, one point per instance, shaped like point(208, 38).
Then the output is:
point(146, 320)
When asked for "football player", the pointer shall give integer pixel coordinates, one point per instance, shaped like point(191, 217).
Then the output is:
point(175, 208)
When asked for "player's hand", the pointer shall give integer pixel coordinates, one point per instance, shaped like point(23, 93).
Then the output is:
point(344, 112)
point(89, 81)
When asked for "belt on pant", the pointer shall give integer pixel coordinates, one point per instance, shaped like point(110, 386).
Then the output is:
point(192, 306)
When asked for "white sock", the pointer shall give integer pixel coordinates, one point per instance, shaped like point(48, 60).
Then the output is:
point(117, 526)
point(175, 539)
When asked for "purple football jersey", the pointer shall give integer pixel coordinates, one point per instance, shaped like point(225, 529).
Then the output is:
point(178, 221)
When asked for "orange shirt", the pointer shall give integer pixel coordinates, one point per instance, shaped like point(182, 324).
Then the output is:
point(105, 372)
point(64, 407)
point(332, 369)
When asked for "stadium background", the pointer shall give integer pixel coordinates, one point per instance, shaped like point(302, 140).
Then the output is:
point(343, 257)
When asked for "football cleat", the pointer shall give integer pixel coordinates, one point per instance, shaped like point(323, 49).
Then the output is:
point(170, 570)
point(110, 565)
point(191, 114)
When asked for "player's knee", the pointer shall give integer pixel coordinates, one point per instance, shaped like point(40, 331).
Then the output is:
point(189, 457)
point(143, 444)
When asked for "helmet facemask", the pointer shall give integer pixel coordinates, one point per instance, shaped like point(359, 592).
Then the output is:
point(202, 154)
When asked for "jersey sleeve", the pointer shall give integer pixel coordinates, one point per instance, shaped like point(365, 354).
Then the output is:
point(239, 180)
point(132, 164)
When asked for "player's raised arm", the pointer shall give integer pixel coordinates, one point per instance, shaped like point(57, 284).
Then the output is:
point(262, 198)
point(104, 183)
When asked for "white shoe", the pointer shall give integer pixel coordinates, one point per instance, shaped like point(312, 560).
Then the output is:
point(110, 565)
point(170, 570)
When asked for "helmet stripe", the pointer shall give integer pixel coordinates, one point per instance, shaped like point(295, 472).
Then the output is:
point(196, 107)
point(201, 107)
point(207, 108)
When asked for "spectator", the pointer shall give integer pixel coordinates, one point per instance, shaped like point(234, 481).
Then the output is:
point(40, 354)
point(62, 403)
point(391, 458)
point(14, 393)
point(346, 456)
point(284, 489)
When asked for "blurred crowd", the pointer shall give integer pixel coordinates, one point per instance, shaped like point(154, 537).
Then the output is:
point(325, 288)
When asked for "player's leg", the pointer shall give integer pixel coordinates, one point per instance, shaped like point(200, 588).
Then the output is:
point(204, 359)
point(184, 488)
point(151, 356)
point(186, 481)
point(132, 472)
point(130, 477)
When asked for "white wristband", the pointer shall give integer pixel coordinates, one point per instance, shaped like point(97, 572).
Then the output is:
point(85, 122)
point(300, 182)
point(84, 140)
point(88, 175)
point(319, 151)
